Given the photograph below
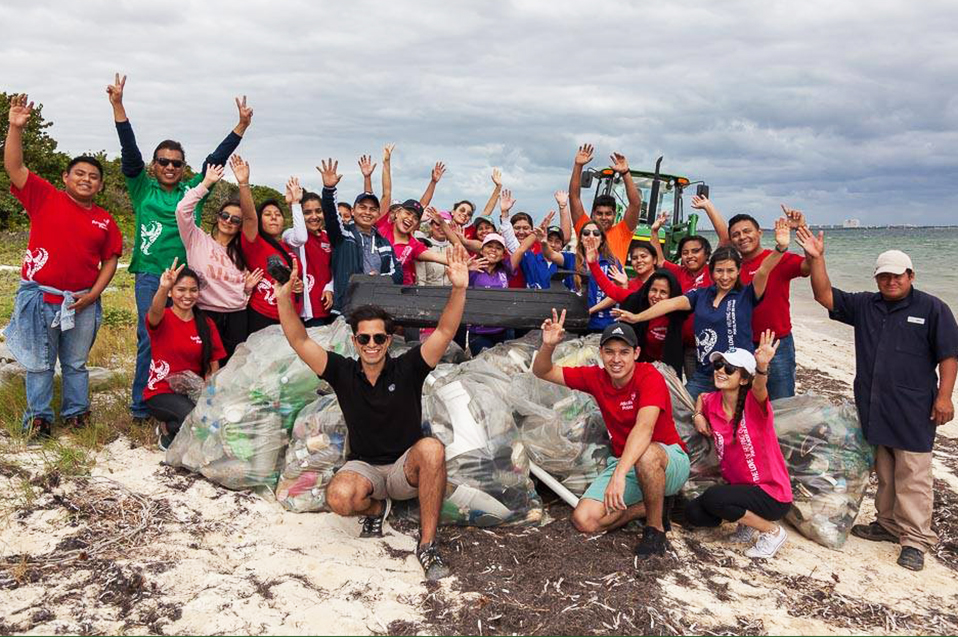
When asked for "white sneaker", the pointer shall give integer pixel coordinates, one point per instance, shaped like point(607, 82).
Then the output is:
point(743, 535)
point(767, 544)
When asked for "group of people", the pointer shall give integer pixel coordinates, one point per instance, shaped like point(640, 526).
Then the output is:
point(720, 318)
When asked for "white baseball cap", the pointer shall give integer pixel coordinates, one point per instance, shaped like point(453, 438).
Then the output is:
point(892, 262)
point(738, 357)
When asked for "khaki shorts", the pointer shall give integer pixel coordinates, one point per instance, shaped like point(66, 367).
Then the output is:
point(387, 479)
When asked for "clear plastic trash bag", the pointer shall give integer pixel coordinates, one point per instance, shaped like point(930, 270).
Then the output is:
point(187, 383)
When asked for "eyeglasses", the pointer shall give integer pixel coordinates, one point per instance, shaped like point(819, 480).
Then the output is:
point(165, 161)
point(591, 233)
point(225, 216)
point(379, 339)
point(720, 364)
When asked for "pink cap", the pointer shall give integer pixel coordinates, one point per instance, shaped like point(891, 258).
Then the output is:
point(492, 236)
point(445, 214)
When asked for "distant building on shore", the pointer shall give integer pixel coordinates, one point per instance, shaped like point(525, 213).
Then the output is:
point(852, 223)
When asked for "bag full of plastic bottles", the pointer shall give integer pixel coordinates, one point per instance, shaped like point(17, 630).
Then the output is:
point(829, 462)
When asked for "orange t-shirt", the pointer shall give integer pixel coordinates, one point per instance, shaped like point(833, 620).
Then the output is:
point(619, 237)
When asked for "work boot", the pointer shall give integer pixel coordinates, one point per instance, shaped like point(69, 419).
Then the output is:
point(431, 562)
point(373, 524)
point(40, 428)
point(76, 422)
point(874, 532)
point(911, 558)
point(653, 543)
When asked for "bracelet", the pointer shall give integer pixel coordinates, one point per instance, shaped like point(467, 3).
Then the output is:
point(780, 249)
point(761, 372)
point(243, 184)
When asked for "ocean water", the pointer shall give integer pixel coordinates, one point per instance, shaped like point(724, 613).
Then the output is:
point(850, 255)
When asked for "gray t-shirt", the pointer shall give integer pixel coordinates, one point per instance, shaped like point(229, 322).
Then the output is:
point(372, 261)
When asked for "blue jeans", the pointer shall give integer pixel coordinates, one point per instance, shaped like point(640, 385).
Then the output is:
point(145, 289)
point(72, 347)
point(781, 371)
point(700, 383)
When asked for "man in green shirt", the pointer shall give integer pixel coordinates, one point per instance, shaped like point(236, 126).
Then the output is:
point(154, 198)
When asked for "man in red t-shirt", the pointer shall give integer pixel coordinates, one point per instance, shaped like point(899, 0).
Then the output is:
point(650, 462)
point(775, 311)
point(71, 257)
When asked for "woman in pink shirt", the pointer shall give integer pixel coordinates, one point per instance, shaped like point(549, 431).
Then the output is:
point(739, 418)
point(216, 257)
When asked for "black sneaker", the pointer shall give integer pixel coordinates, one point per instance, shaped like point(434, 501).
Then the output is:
point(431, 562)
point(874, 532)
point(911, 558)
point(163, 439)
point(653, 543)
point(373, 524)
point(77, 422)
point(40, 428)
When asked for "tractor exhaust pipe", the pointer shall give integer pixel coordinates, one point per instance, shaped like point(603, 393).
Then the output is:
point(651, 209)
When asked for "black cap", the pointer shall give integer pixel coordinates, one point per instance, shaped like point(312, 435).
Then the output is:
point(554, 230)
point(621, 331)
point(413, 206)
point(367, 195)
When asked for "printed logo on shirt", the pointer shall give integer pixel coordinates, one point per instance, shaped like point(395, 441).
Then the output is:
point(706, 340)
point(159, 369)
point(392, 387)
point(197, 340)
point(99, 223)
point(266, 288)
point(148, 235)
point(628, 405)
point(917, 320)
point(748, 449)
point(719, 445)
point(33, 261)
point(309, 283)
point(731, 323)
point(325, 246)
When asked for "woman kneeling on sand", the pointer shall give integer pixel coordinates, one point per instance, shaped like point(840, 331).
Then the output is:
point(739, 418)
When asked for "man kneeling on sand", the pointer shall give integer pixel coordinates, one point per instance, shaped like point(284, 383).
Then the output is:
point(381, 399)
point(650, 462)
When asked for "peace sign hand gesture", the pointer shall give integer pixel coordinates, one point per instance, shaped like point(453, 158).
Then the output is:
point(245, 115)
point(553, 329)
point(115, 91)
point(168, 278)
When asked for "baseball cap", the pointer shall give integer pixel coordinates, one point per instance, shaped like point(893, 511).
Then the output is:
point(621, 331)
point(366, 195)
point(554, 230)
point(492, 236)
point(738, 357)
point(892, 262)
point(413, 206)
point(445, 214)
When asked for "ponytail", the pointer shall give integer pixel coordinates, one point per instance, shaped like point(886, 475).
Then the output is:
point(743, 391)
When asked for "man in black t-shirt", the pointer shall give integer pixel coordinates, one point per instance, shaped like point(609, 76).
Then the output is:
point(381, 399)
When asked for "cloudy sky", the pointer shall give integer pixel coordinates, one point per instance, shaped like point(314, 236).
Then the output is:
point(842, 109)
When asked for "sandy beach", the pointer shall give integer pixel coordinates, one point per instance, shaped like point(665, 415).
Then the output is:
point(141, 548)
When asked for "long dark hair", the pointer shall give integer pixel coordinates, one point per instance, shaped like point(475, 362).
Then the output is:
point(581, 262)
point(233, 250)
point(727, 253)
point(740, 401)
point(268, 239)
point(202, 326)
point(638, 301)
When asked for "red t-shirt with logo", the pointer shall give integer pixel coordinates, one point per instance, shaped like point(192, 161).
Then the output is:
point(775, 311)
point(620, 406)
point(655, 333)
point(68, 242)
point(263, 299)
point(688, 281)
point(406, 253)
point(175, 346)
point(319, 251)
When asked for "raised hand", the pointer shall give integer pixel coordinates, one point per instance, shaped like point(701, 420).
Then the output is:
point(294, 192)
point(240, 169)
point(168, 278)
point(388, 152)
point(506, 202)
point(438, 171)
point(476, 264)
point(619, 163)
point(544, 224)
point(328, 171)
point(624, 315)
point(115, 91)
point(795, 217)
point(457, 270)
point(20, 111)
point(700, 203)
point(660, 221)
point(584, 155)
point(617, 275)
point(813, 246)
point(497, 177)
point(553, 329)
point(562, 198)
point(252, 280)
point(366, 165)
point(591, 245)
point(765, 352)
point(430, 214)
point(783, 233)
point(213, 175)
point(541, 234)
point(283, 291)
point(245, 113)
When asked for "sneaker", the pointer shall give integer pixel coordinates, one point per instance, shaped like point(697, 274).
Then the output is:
point(163, 439)
point(743, 535)
point(373, 524)
point(76, 422)
point(431, 562)
point(767, 544)
point(653, 543)
point(40, 428)
point(911, 558)
point(874, 532)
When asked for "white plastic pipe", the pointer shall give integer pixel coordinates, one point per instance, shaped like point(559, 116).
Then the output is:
point(554, 484)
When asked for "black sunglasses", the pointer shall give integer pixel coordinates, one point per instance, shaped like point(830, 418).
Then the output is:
point(379, 339)
point(164, 161)
point(720, 364)
point(591, 233)
point(225, 216)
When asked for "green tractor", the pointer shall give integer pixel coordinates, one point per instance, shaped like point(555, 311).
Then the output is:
point(659, 192)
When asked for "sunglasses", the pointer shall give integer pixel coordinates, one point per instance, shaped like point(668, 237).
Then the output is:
point(720, 364)
point(225, 216)
point(164, 161)
point(591, 233)
point(379, 339)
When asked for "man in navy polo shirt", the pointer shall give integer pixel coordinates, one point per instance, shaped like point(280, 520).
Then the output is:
point(902, 337)
point(381, 398)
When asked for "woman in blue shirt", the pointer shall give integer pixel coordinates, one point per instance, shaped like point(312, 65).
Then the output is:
point(591, 246)
point(722, 311)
